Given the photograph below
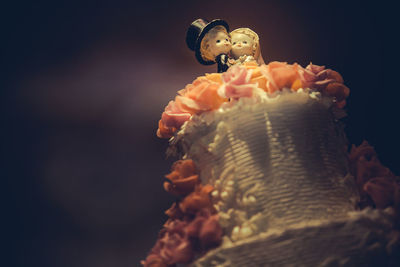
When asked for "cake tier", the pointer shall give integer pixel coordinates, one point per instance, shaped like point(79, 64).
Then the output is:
point(274, 162)
point(363, 239)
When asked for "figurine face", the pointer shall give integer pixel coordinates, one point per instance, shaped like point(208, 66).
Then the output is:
point(242, 44)
point(220, 43)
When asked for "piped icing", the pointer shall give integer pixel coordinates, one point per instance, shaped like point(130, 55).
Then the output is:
point(284, 164)
point(193, 226)
point(264, 169)
point(209, 92)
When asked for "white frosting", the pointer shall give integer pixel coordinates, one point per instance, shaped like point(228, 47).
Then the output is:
point(279, 168)
point(363, 238)
point(274, 162)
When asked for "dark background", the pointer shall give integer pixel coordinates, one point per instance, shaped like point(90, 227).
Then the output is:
point(83, 87)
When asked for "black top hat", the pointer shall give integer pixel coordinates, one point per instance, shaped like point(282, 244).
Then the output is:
point(196, 33)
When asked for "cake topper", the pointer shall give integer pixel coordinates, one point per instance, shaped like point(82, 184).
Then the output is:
point(210, 41)
point(245, 46)
point(226, 203)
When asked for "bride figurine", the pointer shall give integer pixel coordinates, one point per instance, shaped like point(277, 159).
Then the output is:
point(245, 47)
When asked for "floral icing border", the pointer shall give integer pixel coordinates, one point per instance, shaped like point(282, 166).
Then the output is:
point(209, 92)
point(378, 186)
point(192, 228)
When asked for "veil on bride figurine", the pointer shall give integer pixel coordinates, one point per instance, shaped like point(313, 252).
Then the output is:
point(245, 46)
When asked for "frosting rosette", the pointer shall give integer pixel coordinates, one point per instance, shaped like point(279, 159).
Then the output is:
point(384, 191)
point(282, 75)
point(206, 228)
point(192, 227)
point(173, 246)
point(195, 98)
point(209, 92)
point(197, 200)
point(182, 179)
point(327, 81)
point(378, 186)
point(236, 83)
point(171, 120)
point(199, 96)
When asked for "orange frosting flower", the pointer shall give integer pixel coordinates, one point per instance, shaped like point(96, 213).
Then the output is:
point(197, 200)
point(174, 212)
point(214, 77)
point(192, 227)
point(199, 96)
point(171, 119)
point(365, 165)
point(164, 131)
point(251, 65)
point(173, 245)
point(154, 260)
point(182, 179)
point(281, 75)
point(206, 228)
point(327, 81)
point(202, 95)
point(338, 90)
point(259, 79)
point(384, 191)
point(375, 181)
point(211, 232)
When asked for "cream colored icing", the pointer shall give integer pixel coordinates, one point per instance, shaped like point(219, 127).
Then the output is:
point(278, 164)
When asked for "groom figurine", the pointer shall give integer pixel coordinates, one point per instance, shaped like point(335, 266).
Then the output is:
point(210, 41)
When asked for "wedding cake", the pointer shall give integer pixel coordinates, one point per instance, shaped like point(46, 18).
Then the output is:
point(265, 176)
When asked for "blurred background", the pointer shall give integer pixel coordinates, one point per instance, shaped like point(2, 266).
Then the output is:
point(84, 84)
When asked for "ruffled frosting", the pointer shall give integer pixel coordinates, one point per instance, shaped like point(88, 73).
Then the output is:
point(206, 228)
point(281, 75)
point(378, 186)
point(195, 98)
point(209, 92)
point(197, 200)
point(327, 81)
point(236, 83)
point(182, 179)
point(171, 120)
point(192, 227)
point(173, 246)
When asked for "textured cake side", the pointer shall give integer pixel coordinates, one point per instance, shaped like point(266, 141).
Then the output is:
point(274, 163)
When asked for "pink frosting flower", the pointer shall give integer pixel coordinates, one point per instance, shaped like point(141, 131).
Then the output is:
point(318, 77)
point(173, 116)
point(327, 81)
point(171, 120)
point(237, 83)
point(197, 97)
